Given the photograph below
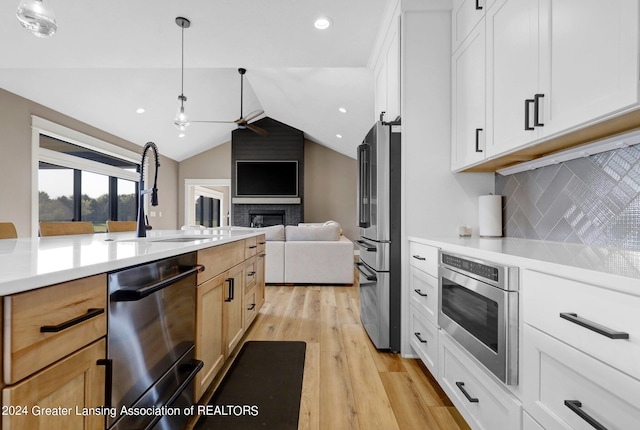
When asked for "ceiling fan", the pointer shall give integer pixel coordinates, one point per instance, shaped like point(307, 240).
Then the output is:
point(243, 122)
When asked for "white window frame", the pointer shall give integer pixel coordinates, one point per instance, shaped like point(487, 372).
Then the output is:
point(192, 186)
point(41, 126)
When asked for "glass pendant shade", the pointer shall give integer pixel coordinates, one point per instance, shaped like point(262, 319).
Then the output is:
point(181, 120)
point(37, 17)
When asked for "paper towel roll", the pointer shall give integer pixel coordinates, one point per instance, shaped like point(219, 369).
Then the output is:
point(490, 215)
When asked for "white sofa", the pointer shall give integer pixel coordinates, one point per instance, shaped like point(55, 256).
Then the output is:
point(308, 254)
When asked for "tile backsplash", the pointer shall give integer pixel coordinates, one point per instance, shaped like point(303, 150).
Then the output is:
point(593, 200)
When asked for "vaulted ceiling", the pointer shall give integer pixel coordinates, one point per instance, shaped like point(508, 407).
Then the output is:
point(109, 58)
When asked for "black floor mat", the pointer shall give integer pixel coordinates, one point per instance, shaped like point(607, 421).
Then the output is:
point(261, 389)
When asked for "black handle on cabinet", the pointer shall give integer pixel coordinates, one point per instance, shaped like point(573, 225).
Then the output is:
point(251, 273)
point(231, 289)
point(252, 307)
point(131, 295)
point(108, 379)
point(254, 246)
point(575, 406)
point(461, 387)
point(262, 243)
point(417, 257)
point(93, 312)
point(420, 338)
point(600, 329)
point(536, 110)
point(420, 293)
point(478, 130)
point(478, 7)
point(527, 104)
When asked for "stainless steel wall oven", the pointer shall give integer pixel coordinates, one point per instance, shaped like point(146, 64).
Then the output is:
point(478, 307)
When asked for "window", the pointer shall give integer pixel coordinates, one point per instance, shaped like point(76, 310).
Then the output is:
point(80, 178)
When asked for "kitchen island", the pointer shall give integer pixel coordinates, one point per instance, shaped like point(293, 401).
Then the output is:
point(58, 315)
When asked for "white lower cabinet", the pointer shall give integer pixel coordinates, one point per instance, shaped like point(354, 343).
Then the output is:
point(564, 388)
point(483, 402)
point(424, 340)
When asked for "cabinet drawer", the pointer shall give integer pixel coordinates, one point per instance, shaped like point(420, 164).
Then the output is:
point(44, 325)
point(424, 340)
point(261, 241)
point(220, 258)
point(250, 274)
point(250, 247)
point(424, 293)
point(529, 423)
point(555, 373)
point(545, 297)
point(486, 405)
point(424, 257)
point(250, 307)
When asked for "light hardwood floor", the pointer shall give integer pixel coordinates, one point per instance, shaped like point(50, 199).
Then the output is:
point(348, 384)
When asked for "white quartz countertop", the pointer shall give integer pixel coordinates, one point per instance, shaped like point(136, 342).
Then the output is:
point(29, 263)
point(608, 266)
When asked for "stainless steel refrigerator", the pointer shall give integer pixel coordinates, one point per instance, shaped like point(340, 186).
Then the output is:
point(379, 221)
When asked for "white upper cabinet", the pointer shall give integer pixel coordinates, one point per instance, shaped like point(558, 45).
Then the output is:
point(468, 94)
point(387, 74)
point(552, 67)
point(466, 14)
point(512, 67)
point(589, 60)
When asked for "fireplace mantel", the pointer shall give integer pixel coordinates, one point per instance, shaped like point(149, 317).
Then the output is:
point(266, 200)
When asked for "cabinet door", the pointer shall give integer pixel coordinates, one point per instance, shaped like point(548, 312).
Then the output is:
point(589, 60)
point(233, 315)
point(468, 116)
point(512, 56)
point(209, 344)
point(466, 14)
point(387, 74)
point(69, 385)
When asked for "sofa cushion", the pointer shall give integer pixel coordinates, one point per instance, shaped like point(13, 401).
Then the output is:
point(274, 233)
point(332, 222)
point(299, 233)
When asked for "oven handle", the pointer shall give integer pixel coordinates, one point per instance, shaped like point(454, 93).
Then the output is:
point(193, 367)
point(369, 276)
point(126, 295)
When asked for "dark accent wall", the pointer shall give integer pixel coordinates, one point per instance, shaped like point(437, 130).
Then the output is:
point(593, 200)
point(282, 143)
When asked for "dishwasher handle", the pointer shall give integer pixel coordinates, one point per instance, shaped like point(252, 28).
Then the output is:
point(130, 295)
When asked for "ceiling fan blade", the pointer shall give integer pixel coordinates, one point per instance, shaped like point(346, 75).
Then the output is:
point(254, 114)
point(218, 122)
point(261, 131)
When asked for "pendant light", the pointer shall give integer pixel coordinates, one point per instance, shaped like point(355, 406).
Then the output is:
point(181, 120)
point(37, 17)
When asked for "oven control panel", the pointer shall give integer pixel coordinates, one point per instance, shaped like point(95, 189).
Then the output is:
point(485, 271)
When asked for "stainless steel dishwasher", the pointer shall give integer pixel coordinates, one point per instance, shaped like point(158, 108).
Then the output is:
point(150, 343)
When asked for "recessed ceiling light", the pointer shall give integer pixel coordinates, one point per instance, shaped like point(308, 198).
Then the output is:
point(140, 110)
point(339, 136)
point(322, 23)
point(343, 110)
point(181, 135)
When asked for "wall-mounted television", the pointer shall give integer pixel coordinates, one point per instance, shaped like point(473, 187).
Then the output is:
point(266, 178)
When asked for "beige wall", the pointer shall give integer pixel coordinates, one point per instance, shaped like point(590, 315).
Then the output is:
point(15, 163)
point(329, 185)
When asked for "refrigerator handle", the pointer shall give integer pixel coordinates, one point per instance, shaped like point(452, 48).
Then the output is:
point(368, 276)
point(364, 198)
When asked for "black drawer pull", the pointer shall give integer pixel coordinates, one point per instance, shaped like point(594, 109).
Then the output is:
point(527, 103)
point(575, 406)
point(93, 312)
point(478, 130)
point(254, 246)
point(600, 329)
point(536, 110)
point(420, 293)
point(252, 307)
point(420, 338)
point(478, 7)
point(261, 243)
point(417, 257)
point(251, 273)
point(461, 387)
point(231, 289)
